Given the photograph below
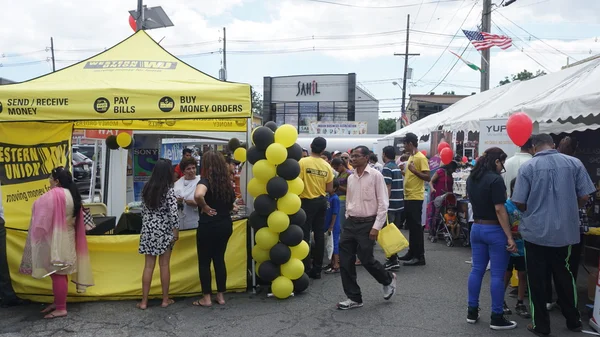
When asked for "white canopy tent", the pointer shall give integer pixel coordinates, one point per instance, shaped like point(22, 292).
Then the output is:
point(570, 97)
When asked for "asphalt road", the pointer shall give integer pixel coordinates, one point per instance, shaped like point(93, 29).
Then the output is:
point(430, 301)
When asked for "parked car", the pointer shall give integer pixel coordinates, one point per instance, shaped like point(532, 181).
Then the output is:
point(82, 166)
point(88, 151)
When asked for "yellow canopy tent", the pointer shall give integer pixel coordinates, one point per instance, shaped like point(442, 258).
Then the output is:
point(134, 85)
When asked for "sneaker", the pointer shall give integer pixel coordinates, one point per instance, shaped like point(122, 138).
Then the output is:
point(499, 322)
point(314, 275)
point(506, 309)
point(550, 306)
point(521, 310)
point(472, 315)
point(349, 304)
point(470, 261)
point(406, 257)
point(390, 289)
point(531, 329)
point(392, 264)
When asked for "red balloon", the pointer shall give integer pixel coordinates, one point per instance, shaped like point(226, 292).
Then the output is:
point(465, 159)
point(519, 128)
point(424, 152)
point(443, 145)
point(446, 155)
point(132, 23)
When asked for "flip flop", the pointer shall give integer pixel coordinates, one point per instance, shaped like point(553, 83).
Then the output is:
point(48, 309)
point(139, 306)
point(220, 302)
point(169, 302)
point(199, 304)
point(53, 315)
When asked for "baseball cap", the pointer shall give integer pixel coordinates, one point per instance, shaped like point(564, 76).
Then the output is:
point(336, 152)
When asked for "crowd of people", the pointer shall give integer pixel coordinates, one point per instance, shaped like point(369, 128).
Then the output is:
point(525, 218)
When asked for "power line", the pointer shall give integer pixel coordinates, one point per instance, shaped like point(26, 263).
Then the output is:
point(380, 7)
point(522, 50)
point(419, 11)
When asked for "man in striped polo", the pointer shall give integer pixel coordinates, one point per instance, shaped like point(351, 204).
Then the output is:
point(395, 184)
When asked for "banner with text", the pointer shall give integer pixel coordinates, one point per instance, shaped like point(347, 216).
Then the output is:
point(230, 125)
point(26, 161)
point(337, 128)
point(492, 133)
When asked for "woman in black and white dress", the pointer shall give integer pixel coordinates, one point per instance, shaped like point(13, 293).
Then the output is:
point(160, 229)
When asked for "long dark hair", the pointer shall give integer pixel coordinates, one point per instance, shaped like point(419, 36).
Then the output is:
point(487, 162)
point(215, 170)
point(65, 179)
point(159, 184)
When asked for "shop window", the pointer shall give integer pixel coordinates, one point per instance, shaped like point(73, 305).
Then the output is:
point(308, 114)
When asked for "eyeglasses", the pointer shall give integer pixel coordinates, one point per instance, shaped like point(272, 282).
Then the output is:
point(357, 156)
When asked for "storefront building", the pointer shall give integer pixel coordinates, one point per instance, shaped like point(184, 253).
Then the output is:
point(321, 104)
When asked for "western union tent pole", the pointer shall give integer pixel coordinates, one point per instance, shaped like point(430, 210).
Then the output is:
point(52, 51)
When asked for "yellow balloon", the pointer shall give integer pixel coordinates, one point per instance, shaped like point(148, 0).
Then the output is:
point(278, 221)
point(286, 135)
point(295, 186)
point(260, 255)
point(289, 203)
point(293, 269)
point(256, 187)
point(266, 238)
point(240, 154)
point(300, 251)
point(252, 135)
point(282, 287)
point(124, 139)
point(263, 171)
point(276, 154)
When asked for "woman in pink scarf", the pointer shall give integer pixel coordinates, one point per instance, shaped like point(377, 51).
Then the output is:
point(56, 245)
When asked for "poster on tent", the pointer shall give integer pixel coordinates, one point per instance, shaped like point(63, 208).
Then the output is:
point(26, 164)
point(145, 156)
point(492, 133)
point(172, 152)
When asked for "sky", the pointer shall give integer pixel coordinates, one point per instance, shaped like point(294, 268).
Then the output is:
point(296, 37)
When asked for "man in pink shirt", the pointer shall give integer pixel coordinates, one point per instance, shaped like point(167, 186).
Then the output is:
point(366, 211)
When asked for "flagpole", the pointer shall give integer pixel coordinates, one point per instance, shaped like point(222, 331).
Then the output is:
point(486, 23)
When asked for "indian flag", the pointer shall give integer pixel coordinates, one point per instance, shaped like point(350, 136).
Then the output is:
point(471, 65)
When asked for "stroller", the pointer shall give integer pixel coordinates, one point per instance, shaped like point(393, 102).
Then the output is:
point(439, 228)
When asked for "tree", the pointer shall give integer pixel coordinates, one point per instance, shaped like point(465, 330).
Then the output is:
point(387, 126)
point(522, 76)
point(257, 102)
point(449, 93)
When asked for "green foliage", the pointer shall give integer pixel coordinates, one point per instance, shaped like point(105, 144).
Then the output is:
point(387, 126)
point(257, 102)
point(522, 76)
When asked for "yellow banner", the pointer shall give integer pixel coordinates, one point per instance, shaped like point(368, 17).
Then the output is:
point(28, 154)
point(232, 125)
point(118, 266)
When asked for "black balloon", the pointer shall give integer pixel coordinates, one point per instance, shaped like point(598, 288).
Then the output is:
point(277, 187)
point(271, 125)
point(300, 284)
point(130, 146)
point(264, 205)
point(257, 221)
point(263, 137)
point(298, 218)
point(233, 144)
point(280, 254)
point(294, 152)
point(292, 236)
point(268, 271)
point(111, 142)
point(253, 155)
point(289, 169)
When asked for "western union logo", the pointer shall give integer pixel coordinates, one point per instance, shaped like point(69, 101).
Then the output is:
point(130, 64)
point(20, 164)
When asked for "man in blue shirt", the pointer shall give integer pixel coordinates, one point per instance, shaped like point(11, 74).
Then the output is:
point(549, 190)
point(395, 186)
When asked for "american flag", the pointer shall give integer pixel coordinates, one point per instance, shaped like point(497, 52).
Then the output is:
point(483, 40)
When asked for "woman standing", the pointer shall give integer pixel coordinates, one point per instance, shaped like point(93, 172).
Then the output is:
point(184, 191)
point(56, 245)
point(214, 196)
point(441, 183)
point(160, 229)
point(491, 238)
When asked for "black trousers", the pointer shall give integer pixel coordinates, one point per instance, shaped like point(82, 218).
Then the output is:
point(395, 217)
point(7, 292)
point(574, 260)
point(355, 241)
point(211, 243)
point(414, 210)
point(539, 260)
point(315, 210)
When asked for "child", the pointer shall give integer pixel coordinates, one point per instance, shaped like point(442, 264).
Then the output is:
point(332, 227)
point(517, 260)
point(452, 221)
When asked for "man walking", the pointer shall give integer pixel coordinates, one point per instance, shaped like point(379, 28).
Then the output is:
point(367, 204)
point(395, 184)
point(415, 176)
point(549, 190)
point(8, 298)
point(318, 181)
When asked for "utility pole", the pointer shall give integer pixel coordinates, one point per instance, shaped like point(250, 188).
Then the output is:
point(486, 22)
point(52, 53)
point(404, 78)
point(140, 12)
point(224, 54)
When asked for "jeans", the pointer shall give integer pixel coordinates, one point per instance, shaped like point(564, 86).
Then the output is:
point(7, 293)
point(315, 219)
point(488, 244)
point(414, 210)
point(211, 243)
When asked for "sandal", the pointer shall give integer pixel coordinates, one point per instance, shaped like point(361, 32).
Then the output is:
point(169, 302)
point(332, 271)
point(48, 309)
point(53, 315)
point(141, 307)
point(198, 303)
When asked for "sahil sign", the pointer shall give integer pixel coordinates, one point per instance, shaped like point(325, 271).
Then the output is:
point(308, 88)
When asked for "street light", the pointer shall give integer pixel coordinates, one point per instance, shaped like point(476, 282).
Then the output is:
point(403, 111)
